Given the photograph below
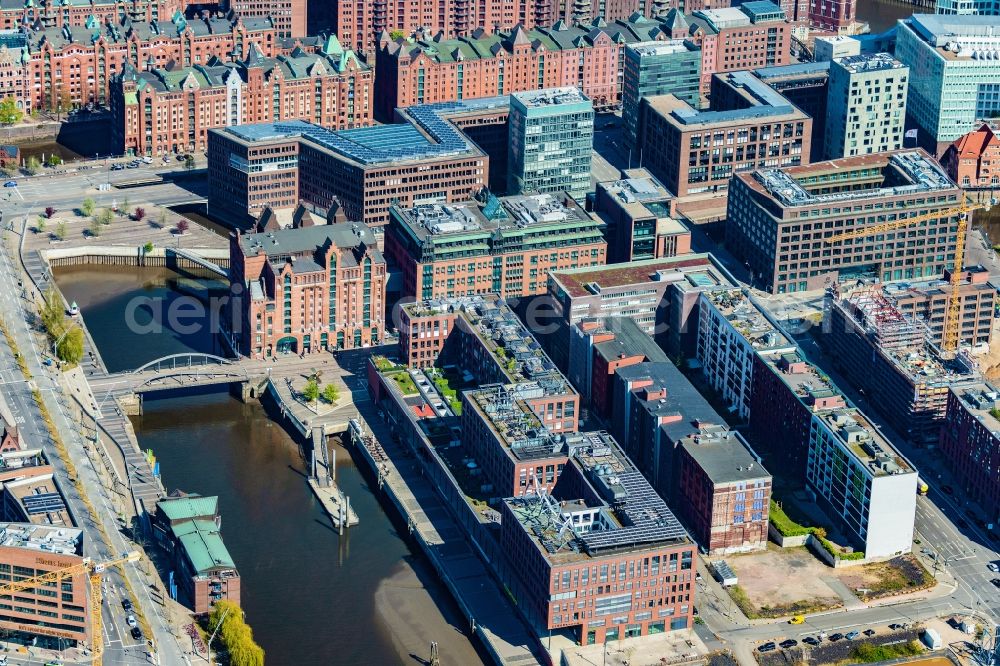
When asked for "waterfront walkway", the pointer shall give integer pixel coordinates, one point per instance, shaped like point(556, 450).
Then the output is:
point(489, 610)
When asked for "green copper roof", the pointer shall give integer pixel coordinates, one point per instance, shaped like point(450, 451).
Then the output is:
point(203, 545)
point(186, 508)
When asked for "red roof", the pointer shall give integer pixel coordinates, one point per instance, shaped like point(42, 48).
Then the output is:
point(975, 143)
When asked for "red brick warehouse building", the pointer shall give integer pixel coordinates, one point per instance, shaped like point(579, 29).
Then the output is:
point(53, 14)
point(429, 70)
point(76, 65)
point(308, 289)
point(171, 110)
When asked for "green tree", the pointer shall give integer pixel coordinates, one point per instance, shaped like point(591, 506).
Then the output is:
point(61, 230)
point(162, 218)
point(123, 209)
point(53, 160)
point(189, 162)
point(235, 634)
point(87, 207)
point(147, 248)
point(70, 348)
point(53, 313)
point(40, 226)
point(95, 227)
point(396, 34)
point(9, 113)
point(105, 217)
point(330, 393)
point(32, 165)
point(311, 391)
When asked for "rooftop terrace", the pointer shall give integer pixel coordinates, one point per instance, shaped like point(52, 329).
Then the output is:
point(697, 270)
point(875, 62)
point(61, 540)
point(983, 401)
point(916, 171)
point(623, 511)
point(515, 424)
point(858, 436)
point(747, 318)
point(803, 378)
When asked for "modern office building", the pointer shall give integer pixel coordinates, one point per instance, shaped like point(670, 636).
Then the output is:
point(638, 213)
point(363, 171)
point(31, 494)
point(977, 7)
point(47, 616)
point(970, 442)
point(660, 295)
point(658, 68)
point(887, 355)
point(827, 49)
point(860, 480)
point(726, 491)
point(806, 85)
point(505, 246)
point(779, 219)
point(161, 111)
point(426, 70)
point(551, 142)
point(953, 76)
point(732, 330)
point(973, 160)
point(749, 126)
point(869, 110)
point(187, 527)
point(307, 289)
point(604, 535)
point(926, 301)
point(756, 34)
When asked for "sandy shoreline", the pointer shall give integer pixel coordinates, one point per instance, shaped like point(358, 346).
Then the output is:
point(412, 617)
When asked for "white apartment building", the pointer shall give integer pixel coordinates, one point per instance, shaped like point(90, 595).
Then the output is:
point(866, 108)
point(860, 479)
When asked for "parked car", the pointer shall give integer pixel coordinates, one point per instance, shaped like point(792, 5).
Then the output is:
point(947, 490)
point(836, 637)
point(852, 635)
point(895, 626)
point(798, 619)
point(127, 604)
point(117, 167)
point(767, 647)
point(136, 633)
point(868, 632)
point(992, 566)
point(788, 644)
point(996, 582)
point(131, 621)
point(10, 183)
point(811, 640)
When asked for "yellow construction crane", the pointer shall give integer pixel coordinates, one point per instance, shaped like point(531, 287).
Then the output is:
point(951, 333)
point(93, 569)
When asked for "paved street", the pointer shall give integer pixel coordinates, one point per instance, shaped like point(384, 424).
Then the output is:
point(120, 646)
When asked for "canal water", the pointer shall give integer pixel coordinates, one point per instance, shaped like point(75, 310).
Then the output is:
point(883, 14)
point(310, 596)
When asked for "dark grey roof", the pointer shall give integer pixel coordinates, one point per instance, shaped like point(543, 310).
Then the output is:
point(307, 239)
point(682, 398)
point(725, 458)
point(629, 340)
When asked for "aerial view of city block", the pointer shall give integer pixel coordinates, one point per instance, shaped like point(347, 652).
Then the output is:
point(499, 332)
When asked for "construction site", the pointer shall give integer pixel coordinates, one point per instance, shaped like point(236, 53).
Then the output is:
point(892, 359)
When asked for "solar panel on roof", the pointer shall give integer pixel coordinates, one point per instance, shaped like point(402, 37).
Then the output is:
point(44, 503)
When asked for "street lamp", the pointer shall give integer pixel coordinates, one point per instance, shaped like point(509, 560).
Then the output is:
point(55, 345)
point(217, 627)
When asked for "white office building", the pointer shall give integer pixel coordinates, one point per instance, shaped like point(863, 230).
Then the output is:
point(954, 75)
point(861, 480)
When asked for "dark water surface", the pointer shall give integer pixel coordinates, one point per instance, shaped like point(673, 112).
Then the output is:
point(308, 594)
